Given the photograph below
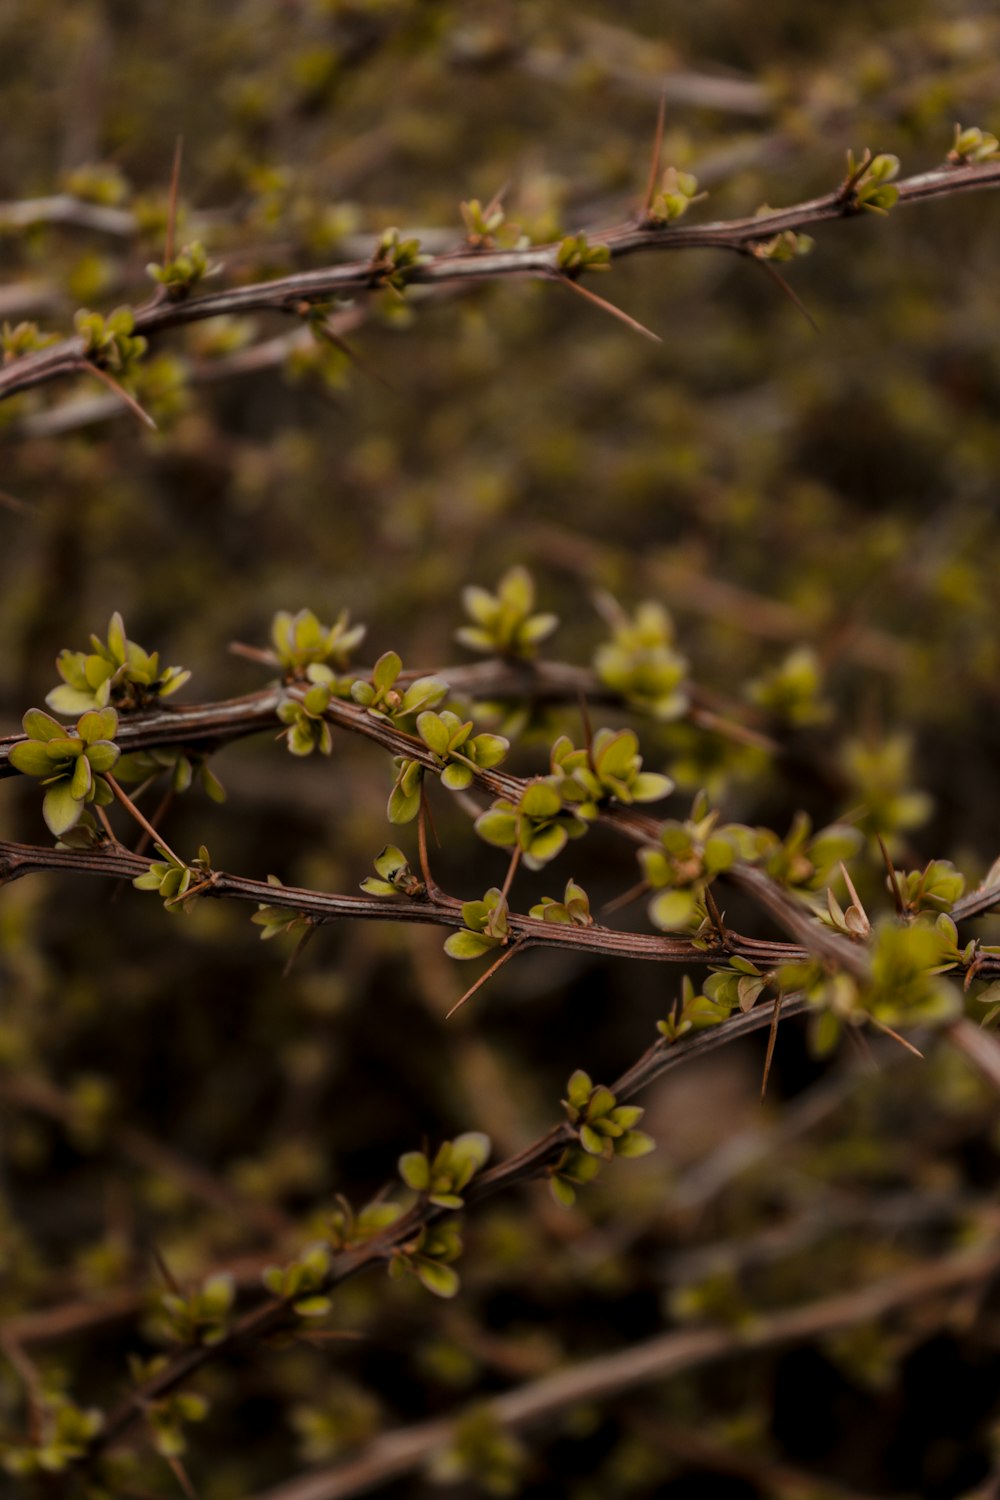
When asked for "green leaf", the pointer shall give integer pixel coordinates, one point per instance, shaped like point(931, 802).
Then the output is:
point(672, 911)
point(456, 777)
point(386, 670)
point(60, 809)
point(41, 726)
point(434, 732)
point(414, 1168)
point(497, 827)
point(469, 944)
point(540, 800)
point(441, 1280)
point(31, 758)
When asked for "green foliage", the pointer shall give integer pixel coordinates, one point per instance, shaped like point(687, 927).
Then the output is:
point(484, 1453)
point(443, 1179)
point(384, 700)
point(973, 145)
point(396, 260)
point(308, 729)
point(346, 1229)
point(181, 766)
point(872, 178)
point(66, 1433)
point(537, 823)
point(277, 921)
point(171, 878)
point(301, 1283)
point(429, 1256)
point(308, 650)
point(639, 661)
point(572, 911)
point(692, 1011)
point(803, 860)
point(458, 750)
point(98, 182)
point(182, 274)
point(117, 671)
point(393, 875)
point(204, 1316)
point(687, 859)
point(503, 623)
point(576, 255)
point(879, 771)
point(110, 342)
point(405, 797)
point(486, 927)
point(786, 246)
point(935, 888)
point(70, 763)
point(604, 1127)
point(23, 338)
point(793, 692)
point(609, 770)
point(674, 196)
point(737, 985)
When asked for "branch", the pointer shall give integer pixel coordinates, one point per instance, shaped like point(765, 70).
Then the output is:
point(274, 1315)
point(610, 1375)
point(469, 265)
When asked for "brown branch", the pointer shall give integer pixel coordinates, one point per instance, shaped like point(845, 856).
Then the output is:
point(283, 294)
point(610, 1375)
point(273, 1315)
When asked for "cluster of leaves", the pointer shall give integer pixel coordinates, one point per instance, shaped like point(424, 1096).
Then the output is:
point(871, 180)
point(67, 1432)
point(380, 696)
point(504, 623)
point(202, 1317)
point(674, 196)
point(172, 879)
point(609, 769)
point(117, 672)
point(307, 650)
point(576, 254)
point(302, 1282)
point(72, 764)
point(442, 1179)
point(111, 341)
point(640, 662)
point(539, 823)
point(183, 273)
point(689, 856)
point(604, 1129)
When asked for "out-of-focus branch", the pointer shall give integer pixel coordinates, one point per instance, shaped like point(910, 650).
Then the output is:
point(473, 264)
point(655, 1359)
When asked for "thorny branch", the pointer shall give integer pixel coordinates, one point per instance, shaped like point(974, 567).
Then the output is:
point(291, 295)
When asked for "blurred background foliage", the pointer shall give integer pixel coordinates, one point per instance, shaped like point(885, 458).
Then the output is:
point(163, 1085)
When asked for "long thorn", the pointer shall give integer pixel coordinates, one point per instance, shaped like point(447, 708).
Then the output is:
point(175, 182)
point(626, 898)
point(772, 1037)
point(588, 732)
point(140, 818)
point(515, 860)
point(654, 161)
point(882, 1026)
point(894, 886)
point(789, 292)
point(609, 307)
point(498, 963)
point(119, 390)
